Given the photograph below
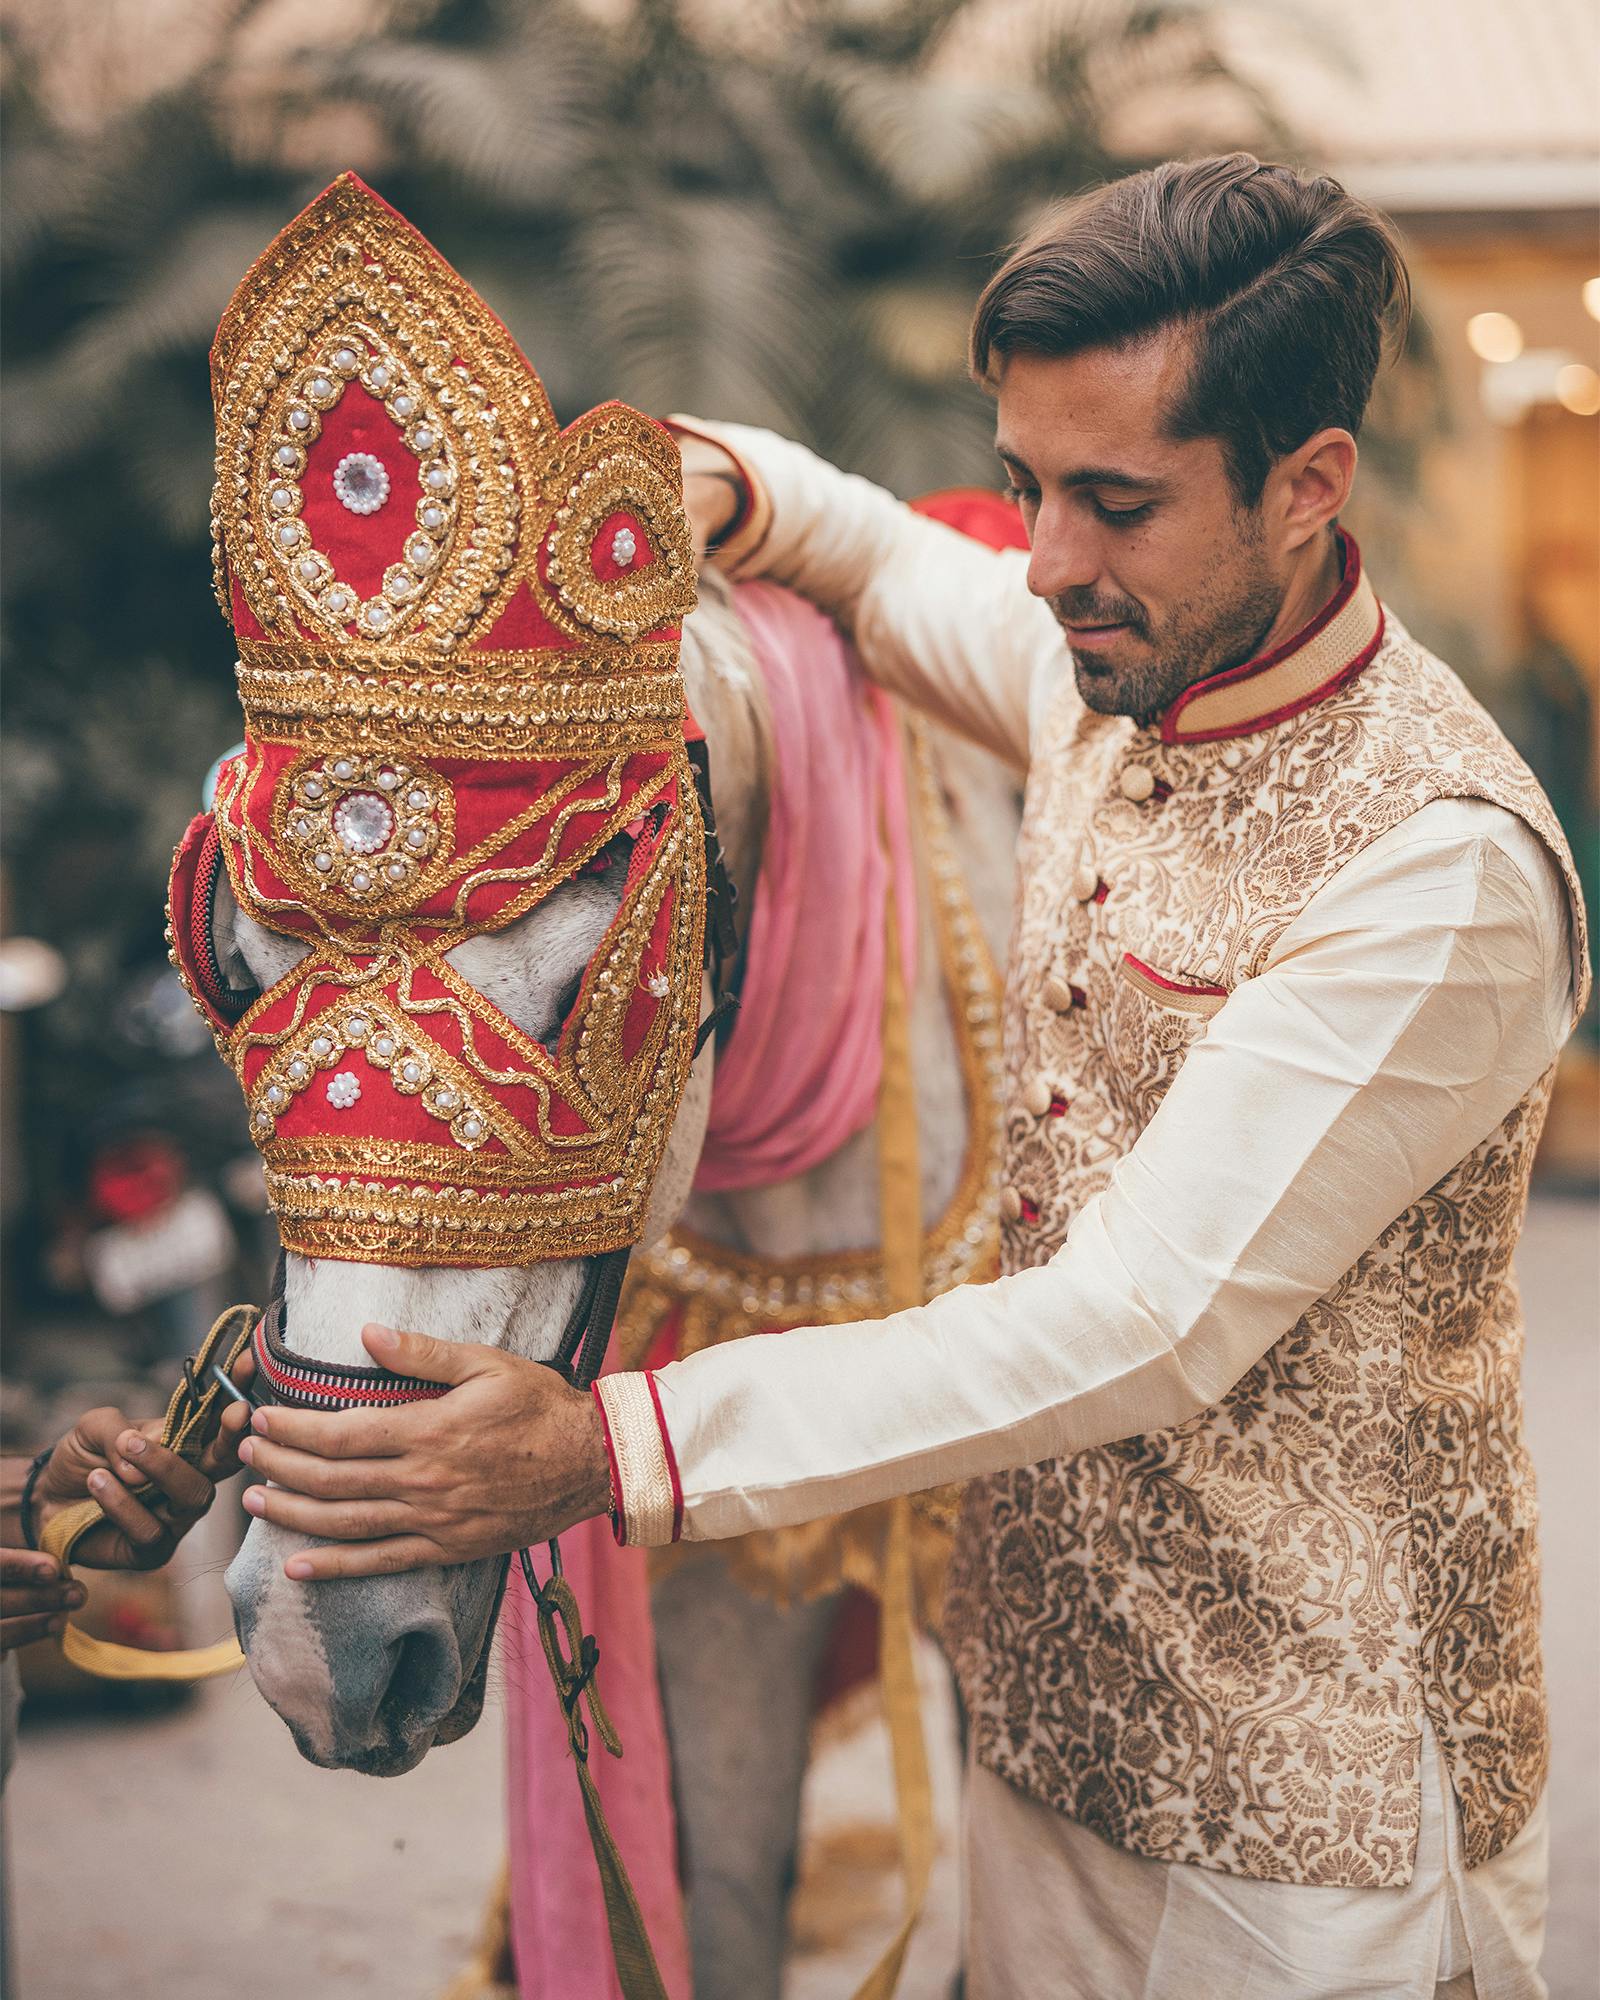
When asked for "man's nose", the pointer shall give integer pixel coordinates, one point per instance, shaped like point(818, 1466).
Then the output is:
point(1066, 555)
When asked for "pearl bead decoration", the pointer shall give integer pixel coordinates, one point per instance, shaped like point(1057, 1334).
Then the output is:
point(343, 1090)
point(623, 547)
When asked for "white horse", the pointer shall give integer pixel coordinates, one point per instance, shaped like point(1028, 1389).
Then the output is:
point(370, 1673)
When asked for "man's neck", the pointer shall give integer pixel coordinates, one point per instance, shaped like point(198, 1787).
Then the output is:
point(1315, 577)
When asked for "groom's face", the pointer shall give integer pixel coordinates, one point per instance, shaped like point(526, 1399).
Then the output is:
point(1156, 573)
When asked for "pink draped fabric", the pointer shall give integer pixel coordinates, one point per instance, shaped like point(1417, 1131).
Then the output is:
point(798, 1078)
point(800, 1075)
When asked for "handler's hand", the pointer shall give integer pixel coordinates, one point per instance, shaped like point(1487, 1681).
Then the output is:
point(35, 1597)
point(105, 1457)
point(511, 1456)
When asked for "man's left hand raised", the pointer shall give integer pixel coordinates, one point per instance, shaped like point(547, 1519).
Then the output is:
point(510, 1456)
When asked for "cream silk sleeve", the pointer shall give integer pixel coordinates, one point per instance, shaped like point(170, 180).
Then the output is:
point(935, 616)
point(1406, 1010)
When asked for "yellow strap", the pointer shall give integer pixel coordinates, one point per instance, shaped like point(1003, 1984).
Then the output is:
point(192, 1417)
point(900, 1223)
point(108, 1661)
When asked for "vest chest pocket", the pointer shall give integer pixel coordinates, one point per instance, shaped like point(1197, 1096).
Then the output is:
point(1174, 993)
point(1156, 1018)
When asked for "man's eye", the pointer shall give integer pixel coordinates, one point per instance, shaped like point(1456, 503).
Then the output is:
point(1119, 515)
point(1025, 496)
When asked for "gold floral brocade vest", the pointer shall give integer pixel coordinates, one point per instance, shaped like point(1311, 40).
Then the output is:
point(1216, 1644)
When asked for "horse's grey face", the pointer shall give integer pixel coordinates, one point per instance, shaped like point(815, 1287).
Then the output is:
point(369, 1673)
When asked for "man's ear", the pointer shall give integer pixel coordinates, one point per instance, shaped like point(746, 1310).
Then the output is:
point(1311, 486)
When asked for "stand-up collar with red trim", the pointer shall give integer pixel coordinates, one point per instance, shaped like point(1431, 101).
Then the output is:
point(1321, 657)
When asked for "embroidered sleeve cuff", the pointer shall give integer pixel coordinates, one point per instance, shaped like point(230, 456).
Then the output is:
point(644, 1472)
point(738, 552)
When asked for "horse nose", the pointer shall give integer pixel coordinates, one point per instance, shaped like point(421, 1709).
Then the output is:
point(393, 1687)
point(360, 1669)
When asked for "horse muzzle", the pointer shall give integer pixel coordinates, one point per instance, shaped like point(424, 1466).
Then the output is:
point(367, 1672)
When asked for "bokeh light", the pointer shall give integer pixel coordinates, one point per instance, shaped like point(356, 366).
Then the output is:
point(1578, 389)
point(1494, 336)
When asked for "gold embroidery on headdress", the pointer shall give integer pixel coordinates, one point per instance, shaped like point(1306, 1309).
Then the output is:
point(458, 662)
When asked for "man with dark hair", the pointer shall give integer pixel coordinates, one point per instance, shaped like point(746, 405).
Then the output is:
point(1245, 1599)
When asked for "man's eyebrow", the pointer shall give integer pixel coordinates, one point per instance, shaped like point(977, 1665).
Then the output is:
point(1086, 475)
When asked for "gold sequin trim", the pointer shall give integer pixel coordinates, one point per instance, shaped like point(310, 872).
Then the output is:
point(594, 479)
point(644, 1478)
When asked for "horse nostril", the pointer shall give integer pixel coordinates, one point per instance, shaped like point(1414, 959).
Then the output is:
point(422, 1684)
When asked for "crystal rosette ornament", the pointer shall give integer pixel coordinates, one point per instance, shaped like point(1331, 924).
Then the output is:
point(457, 628)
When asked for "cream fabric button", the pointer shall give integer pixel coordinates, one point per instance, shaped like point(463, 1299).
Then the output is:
point(1085, 881)
point(1056, 994)
point(1010, 1204)
point(1138, 783)
point(1037, 1096)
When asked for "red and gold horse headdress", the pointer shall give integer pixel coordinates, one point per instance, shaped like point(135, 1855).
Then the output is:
point(458, 659)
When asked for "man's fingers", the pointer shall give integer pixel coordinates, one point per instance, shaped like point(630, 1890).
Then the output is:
point(144, 1529)
point(338, 1520)
point(184, 1485)
point(352, 1434)
point(29, 1567)
point(320, 1478)
point(40, 1599)
point(16, 1632)
point(430, 1360)
point(100, 1428)
point(220, 1459)
point(385, 1558)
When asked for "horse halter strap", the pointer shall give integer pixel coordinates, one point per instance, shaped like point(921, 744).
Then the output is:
point(302, 1383)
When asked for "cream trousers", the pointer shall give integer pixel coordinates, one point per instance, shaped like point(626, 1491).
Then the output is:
point(1054, 1913)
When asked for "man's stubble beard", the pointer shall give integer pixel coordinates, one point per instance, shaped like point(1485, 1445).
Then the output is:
point(1202, 637)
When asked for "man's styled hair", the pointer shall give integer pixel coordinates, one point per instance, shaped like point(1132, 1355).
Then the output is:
point(1288, 286)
